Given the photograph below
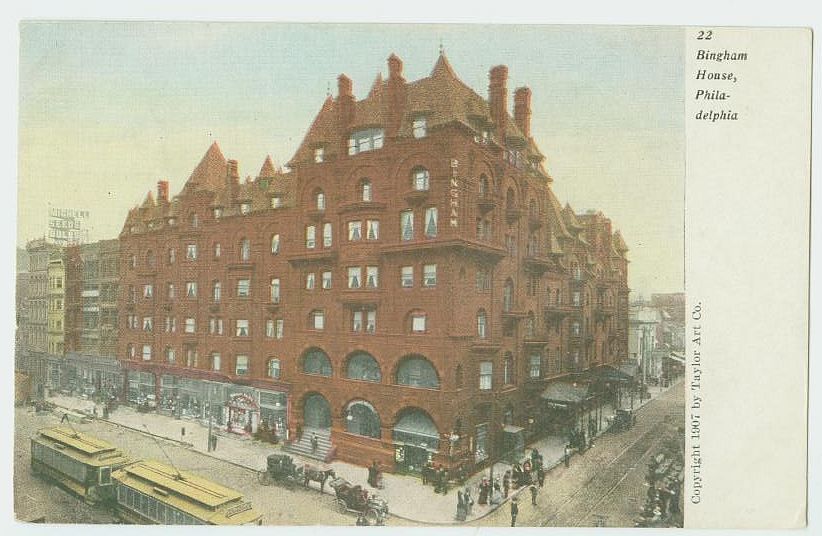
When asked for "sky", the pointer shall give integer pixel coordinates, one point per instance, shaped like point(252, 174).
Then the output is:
point(108, 109)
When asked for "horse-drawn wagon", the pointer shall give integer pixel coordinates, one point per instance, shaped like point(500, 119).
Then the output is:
point(281, 468)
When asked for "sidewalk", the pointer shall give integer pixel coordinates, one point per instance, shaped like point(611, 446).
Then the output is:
point(425, 507)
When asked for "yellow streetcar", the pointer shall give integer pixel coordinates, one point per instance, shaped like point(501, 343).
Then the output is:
point(80, 463)
point(149, 492)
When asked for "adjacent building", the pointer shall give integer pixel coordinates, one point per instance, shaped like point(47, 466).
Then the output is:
point(407, 291)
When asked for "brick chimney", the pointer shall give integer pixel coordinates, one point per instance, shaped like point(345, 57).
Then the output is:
point(162, 191)
point(345, 103)
point(232, 172)
point(396, 96)
point(498, 99)
point(522, 110)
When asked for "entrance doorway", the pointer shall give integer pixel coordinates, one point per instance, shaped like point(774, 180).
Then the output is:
point(316, 412)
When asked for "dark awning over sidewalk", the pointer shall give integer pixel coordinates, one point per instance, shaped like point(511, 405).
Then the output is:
point(565, 394)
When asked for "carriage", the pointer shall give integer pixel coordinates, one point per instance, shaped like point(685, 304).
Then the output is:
point(355, 499)
point(281, 468)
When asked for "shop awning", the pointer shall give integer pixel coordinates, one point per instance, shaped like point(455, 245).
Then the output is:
point(565, 394)
point(511, 429)
point(417, 423)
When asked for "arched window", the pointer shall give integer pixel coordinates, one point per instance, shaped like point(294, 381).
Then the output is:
point(273, 368)
point(366, 193)
point(508, 295)
point(420, 179)
point(417, 371)
point(510, 199)
point(319, 198)
point(482, 324)
point(315, 361)
point(362, 419)
point(415, 427)
point(363, 366)
point(245, 249)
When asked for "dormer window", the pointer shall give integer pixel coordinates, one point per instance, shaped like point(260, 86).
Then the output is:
point(365, 140)
point(419, 127)
point(245, 208)
point(319, 155)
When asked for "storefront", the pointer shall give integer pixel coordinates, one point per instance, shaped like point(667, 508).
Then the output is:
point(416, 440)
point(563, 403)
point(243, 414)
point(141, 388)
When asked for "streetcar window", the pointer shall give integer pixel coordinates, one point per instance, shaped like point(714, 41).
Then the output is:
point(105, 475)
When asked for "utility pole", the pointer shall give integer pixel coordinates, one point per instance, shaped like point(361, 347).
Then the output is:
point(208, 408)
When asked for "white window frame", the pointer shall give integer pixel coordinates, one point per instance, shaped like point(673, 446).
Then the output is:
point(419, 127)
point(310, 281)
point(486, 375)
point(241, 365)
point(310, 236)
point(191, 252)
point(354, 277)
point(191, 289)
point(372, 229)
point(215, 361)
point(429, 275)
point(275, 290)
point(326, 280)
point(242, 328)
point(273, 368)
point(146, 352)
point(372, 277)
point(354, 231)
point(318, 319)
point(190, 325)
point(407, 225)
point(243, 288)
point(407, 276)
point(275, 244)
point(419, 322)
point(328, 235)
point(431, 222)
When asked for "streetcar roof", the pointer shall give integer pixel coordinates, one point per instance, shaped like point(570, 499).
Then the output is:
point(84, 443)
point(192, 494)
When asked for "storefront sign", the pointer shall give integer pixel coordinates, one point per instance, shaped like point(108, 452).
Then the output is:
point(242, 401)
point(454, 195)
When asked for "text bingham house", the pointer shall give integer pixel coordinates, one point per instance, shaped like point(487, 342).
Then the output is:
point(407, 291)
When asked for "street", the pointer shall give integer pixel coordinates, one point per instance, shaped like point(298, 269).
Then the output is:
point(605, 486)
point(35, 498)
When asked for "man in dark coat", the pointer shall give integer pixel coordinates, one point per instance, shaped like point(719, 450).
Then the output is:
point(540, 475)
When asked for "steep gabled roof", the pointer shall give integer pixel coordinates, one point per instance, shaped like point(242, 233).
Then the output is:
point(267, 171)
point(210, 173)
point(571, 220)
point(619, 243)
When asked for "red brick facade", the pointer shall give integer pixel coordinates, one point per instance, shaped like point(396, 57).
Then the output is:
point(499, 273)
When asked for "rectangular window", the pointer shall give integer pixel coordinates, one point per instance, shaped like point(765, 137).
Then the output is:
point(407, 276)
point(419, 127)
point(486, 375)
point(372, 229)
point(418, 323)
point(326, 280)
point(241, 365)
point(318, 318)
point(371, 321)
point(217, 250)
point(275, 290)
point(576, 298)
point(243, 288)
point(327, 235)
point(275, 244)
point(277, 201)
point(431, 222)
point(372, 273)
point(171, 291)
point(354, 231)
point(215, 361)
point(216, 292)
point(191, 252)
point(310, 237)
point(365, 140)
point(148, 325)
point(319, 155)
point(191, 325)
point(148, 291)
point(146, 352)
point(269, 328)
point(483, 279)
point(241, 328)
point(407, 224)
point(279, 328)
point(429, 275)
point(534, 363)
point(191, 289)
point(309, 281)
point(218, 213)
point(354, 276)
point(245, 208)
point(357, 322)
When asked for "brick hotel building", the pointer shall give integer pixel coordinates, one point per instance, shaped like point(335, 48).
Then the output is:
point(408, 289)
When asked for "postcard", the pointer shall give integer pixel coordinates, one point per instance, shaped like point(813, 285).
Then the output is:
point(411, 275)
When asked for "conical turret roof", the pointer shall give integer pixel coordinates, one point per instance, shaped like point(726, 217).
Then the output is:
point(210, 173)
point(267, 171)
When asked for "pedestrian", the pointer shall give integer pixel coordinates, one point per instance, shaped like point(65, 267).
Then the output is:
point(372, 474)
point(460, 506)
point(64, 418)
point(426, 473)
point(514, 512)
point(506, 483)
point(483, 491)
point(444, 486)
point(567, 455)
point(469, 501)
point(533, 489)
point(540, 475)
point(314, 443)
point(362, 521)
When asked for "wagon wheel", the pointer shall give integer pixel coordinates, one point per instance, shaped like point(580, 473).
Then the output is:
point(264, 478)
point(372, 516)
point(342, 506)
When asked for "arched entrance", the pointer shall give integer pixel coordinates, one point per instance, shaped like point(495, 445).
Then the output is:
point(316, 412)
point(362, 419)
point(416, 440)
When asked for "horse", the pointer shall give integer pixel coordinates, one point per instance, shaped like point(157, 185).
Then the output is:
point(317, 474)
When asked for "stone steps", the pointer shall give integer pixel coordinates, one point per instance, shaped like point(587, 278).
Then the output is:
point(303, 446)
